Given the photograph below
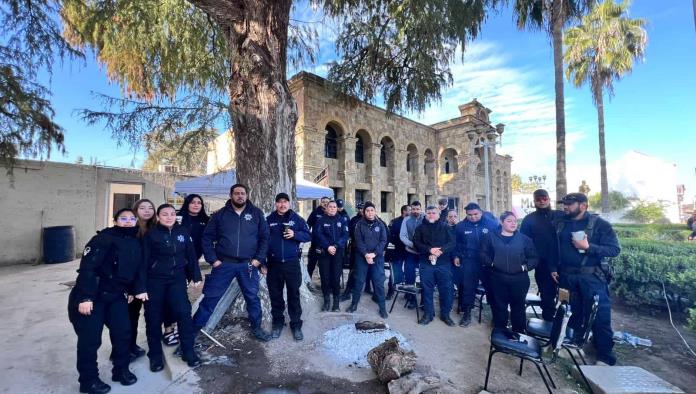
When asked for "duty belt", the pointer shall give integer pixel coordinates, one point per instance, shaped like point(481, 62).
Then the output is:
point(579, 270)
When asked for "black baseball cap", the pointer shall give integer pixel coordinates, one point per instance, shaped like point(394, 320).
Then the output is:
point(282, 196)
point(540, 193)
point(573, 198)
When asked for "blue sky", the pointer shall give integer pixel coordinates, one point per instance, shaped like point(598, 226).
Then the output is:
point(511, 72)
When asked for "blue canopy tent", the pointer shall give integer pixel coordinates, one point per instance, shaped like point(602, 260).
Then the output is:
point(218, 186)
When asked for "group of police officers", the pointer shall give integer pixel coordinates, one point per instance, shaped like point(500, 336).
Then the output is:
point(240, 243)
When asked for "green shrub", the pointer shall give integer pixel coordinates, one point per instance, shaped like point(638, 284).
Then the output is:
point(644, 265)
point(658, 232)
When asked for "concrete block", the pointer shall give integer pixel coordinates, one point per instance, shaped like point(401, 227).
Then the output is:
point(625, 380)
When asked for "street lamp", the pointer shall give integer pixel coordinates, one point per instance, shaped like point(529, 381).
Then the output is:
point(486, 140)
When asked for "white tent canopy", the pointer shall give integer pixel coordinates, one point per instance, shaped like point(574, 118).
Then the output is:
point(218, 186)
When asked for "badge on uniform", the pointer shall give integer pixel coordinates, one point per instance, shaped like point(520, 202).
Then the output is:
point(291, 223)
point(86, 251)
point(338, 224)
point(485, 231)
point(247, 217)
point(181, 238)
point(376, 229)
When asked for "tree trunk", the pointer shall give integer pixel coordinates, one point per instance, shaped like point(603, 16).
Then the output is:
point(557, 19)
point(262, 110)
point(602, 152)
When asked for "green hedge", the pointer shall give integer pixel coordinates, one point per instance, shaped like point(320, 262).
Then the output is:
point(644, 264)
point(659, 232)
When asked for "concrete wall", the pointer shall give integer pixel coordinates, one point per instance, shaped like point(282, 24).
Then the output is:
point(44, 194)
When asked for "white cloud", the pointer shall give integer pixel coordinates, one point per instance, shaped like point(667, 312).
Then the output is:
point(522, 98)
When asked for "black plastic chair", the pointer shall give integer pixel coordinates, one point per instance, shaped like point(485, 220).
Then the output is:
point(414, 290)
point(540, 329)
point(478, 299)
point(533, 300)
point(528, 348)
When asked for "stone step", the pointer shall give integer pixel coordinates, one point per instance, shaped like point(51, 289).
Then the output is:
point(626, 380)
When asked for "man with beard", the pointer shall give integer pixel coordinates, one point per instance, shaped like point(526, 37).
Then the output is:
point(540, 226)
point(235, 243)
point(585, 242)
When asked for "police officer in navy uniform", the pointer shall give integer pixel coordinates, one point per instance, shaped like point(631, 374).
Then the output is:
point(435, 242)
point(370, 242)
point(540, 226)
point(287, 232)
point(330, 235)
point(312, 256)
point(108, 271)
point(469, 234)
point(348, 291)
point(235, 243)
point(509, 255)
point(583, 269)
point(170, 264)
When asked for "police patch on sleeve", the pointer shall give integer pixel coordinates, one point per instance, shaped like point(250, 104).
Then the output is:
point(86, 251)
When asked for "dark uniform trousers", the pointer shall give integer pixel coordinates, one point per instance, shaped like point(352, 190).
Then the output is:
point(312, 260)
point(217, 282)
point(168, 294)
point(440, 276)
point(108, 309)
point(409, 276)
point(134, 316)
point(547, 290)
point(330, 270)
point(582, 289)
point(467, 283)
point(372, 272)
point(289, 275)
point(509, 289)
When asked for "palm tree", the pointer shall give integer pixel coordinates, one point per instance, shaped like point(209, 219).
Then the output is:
point(600, 51)
point(552, 16)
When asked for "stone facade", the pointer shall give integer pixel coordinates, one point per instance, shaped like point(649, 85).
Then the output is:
point(398, 160)
point(389, 160)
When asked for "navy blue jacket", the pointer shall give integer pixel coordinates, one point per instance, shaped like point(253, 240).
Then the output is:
point(370, 237)
point(603, 244)
point(232, 236)
point(434, 235)
point(169, 253)
point(540, 226)
point(195, 226)
point(111, 262)
point(331, 231)
point(469, 236)
point(286, 250)
point(316, 214)
point(395, 239)
point(510, 255)
point(443, 215)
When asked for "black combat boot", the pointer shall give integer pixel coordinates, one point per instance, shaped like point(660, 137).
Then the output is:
point(335, 306)
point(327, 304)
point(466, 317)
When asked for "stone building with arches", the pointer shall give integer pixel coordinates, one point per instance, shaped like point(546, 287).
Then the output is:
point(392, 160)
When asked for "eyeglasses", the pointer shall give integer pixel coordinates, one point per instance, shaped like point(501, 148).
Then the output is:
point(127, 219)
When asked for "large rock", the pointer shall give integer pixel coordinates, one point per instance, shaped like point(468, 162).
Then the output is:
point(390, 361)
point(422, 380)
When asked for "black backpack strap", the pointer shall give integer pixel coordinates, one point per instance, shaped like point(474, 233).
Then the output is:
point(589, 231)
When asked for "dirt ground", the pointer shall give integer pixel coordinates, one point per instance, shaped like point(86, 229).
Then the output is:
point(668, 357)
point(285, 366)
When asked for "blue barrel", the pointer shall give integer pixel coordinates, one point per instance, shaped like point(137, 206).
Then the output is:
point(58, 244)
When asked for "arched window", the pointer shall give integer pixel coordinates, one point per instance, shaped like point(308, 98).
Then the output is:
point(330, 143)
point(447, 165)
point(383, 156)
point(359, 150)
